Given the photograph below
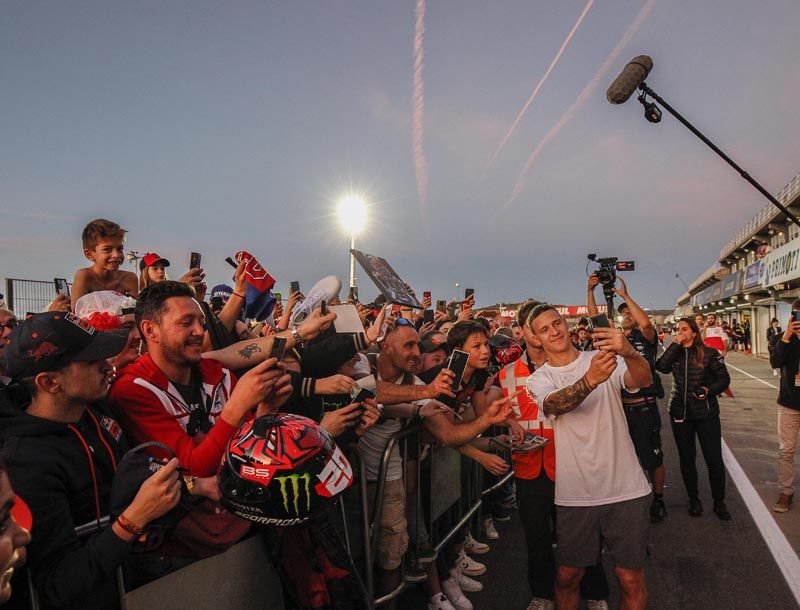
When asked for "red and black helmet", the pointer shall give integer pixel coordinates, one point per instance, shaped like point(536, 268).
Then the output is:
point(282, 469)
point(504, 349)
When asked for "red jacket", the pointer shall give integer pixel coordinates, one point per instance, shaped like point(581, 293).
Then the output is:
point(150, 408)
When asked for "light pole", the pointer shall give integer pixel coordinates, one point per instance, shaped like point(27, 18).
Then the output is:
point(352, 213)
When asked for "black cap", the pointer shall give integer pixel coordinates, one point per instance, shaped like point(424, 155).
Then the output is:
point(428, 347)
point(50, 341)
point(622, 306)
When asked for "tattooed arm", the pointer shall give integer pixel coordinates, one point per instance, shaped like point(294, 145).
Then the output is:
point(566, 399)
point(243, 354)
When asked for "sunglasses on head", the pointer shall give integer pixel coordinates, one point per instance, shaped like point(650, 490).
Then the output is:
point(403, 322)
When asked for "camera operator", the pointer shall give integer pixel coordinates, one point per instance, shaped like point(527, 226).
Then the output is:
point(641, 409)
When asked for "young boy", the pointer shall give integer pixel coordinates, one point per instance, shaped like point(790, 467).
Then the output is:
point(103, 244)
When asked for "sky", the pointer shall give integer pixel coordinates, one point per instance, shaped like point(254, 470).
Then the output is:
point(220, 126)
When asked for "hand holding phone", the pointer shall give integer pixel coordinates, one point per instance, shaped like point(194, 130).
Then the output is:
point(278, 348)
point(62, 287)
point(294, 287)
point(427, 316)
point(600, 321)
point(457, 364)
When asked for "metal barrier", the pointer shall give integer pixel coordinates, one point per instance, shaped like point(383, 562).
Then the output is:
point(470, 505)
point(28, 296)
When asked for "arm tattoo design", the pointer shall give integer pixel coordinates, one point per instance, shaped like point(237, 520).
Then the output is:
point(249, 350)
point(566, 399)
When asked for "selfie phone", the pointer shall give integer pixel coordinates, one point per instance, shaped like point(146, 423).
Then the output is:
point(294, 287)
point(194, 260)
point(600, 321)
point(426, 295)
point(61, 286)
point(278, 347)
point(353, 295)
point(231, 262)
point(278, 297)
point(427, 316)
point(796, 316)
point(457, 364)
point(441, 305)
point(323, 307)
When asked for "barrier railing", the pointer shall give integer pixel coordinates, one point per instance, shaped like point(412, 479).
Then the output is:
point(28, 296)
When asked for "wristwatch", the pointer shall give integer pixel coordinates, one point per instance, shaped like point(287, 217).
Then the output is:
point(296, 336)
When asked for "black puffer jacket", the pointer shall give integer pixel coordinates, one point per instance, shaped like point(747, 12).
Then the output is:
point(688, 379)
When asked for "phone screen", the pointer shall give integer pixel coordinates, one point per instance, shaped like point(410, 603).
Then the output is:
point(426, 294)
point(278, 347)
point(61, 286)
point(427, 316)
point(468, 293)
point(441, 305)
point(796, 316)
point(194, 260)
point(457, 364)
point(294, 287)
point(600, 321)
point(353, 296)
point(278, 297)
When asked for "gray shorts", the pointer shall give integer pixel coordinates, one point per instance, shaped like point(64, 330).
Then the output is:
point(624, 527)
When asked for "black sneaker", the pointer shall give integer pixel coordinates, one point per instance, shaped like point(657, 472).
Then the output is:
point(721, 510)
point(695, 507)
point(658, 511)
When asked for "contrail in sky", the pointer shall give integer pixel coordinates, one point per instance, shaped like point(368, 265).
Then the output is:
point(536, 89)
point(579, 101)
point(418, 98)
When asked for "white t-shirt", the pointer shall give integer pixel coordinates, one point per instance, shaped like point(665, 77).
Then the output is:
point(595, 460)
point(373, 442)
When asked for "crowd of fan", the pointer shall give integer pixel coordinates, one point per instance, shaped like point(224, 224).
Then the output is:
point(128, 360)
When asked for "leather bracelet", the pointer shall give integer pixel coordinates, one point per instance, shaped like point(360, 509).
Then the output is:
point(586, 379)
point(416, 412)
point(129, 526)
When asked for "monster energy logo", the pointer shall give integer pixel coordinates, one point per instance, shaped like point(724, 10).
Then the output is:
point(290, 485)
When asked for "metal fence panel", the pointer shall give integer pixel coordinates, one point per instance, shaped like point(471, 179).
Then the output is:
point(28, 296)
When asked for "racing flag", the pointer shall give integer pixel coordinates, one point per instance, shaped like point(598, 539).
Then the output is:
point(259, 302)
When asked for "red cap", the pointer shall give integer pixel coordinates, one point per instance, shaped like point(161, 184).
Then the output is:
point(150, 259)
point(22, 514)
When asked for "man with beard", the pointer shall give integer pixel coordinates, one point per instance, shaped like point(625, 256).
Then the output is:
point(194, 406)
point(601, 493)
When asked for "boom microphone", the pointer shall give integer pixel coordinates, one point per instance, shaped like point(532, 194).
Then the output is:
point(632, 75)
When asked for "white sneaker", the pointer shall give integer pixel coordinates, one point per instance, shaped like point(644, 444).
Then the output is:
point(469, 566)
point(596, 604)
point(539, 603)
point(465, 583)
point(453, 592)
point(473, 547)
point(440, 602)
point(488, 527)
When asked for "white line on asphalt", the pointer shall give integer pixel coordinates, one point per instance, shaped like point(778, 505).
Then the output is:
point(736, 368)
point(779, 546)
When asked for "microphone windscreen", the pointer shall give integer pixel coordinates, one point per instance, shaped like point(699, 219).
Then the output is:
point(629, 79)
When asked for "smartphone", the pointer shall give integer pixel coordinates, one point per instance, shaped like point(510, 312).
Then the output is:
point(457, 364)
point(323, 307)
point(427, 316)
point(61, 286)
point(600, 321)
point(278, 347)
point(294, 287)
point(353, 295)
point(426, 295)
point(194, 260)
point(796, 316)
point(468, 293)
point(231, 262)
point(278, 297)
point(441, 305)
point(363, 394)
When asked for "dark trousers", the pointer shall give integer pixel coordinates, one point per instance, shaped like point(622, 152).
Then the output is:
point(536, 510)
point(709, 433)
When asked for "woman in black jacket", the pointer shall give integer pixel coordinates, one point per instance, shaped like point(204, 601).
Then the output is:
point(699, 374)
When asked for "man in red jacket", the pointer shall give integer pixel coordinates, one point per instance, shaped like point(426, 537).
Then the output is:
point(193, 405)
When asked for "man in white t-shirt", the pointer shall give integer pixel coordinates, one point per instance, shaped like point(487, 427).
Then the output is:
point(601, 494)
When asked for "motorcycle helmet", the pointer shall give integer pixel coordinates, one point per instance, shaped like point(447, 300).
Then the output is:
point(281, 470)
point(504, 350)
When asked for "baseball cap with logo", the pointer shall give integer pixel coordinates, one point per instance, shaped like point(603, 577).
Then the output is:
point(50, 341)
point(221, 290)
point(150, 259)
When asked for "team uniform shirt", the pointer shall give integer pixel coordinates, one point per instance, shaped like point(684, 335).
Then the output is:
point(715, 337)
point(373, 442)
point(597, 463)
